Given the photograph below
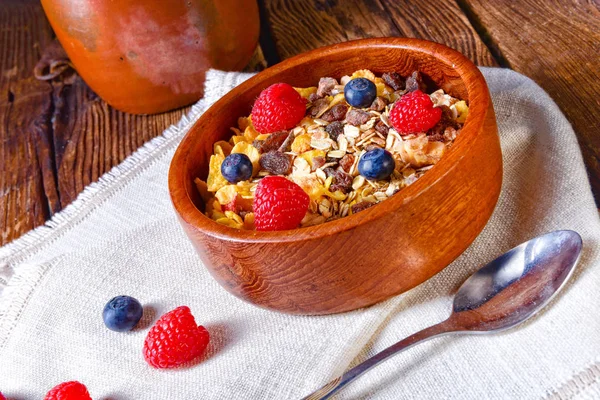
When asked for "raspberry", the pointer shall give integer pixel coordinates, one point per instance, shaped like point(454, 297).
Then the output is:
point(2, 397)
point(175, 339)
point(413, 113)
point(278, 107)
point(279, 204)
point(71, 390)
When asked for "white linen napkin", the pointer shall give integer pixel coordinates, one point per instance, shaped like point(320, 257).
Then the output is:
point(121, 236)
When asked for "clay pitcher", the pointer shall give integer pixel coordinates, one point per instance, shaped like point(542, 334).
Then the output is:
point(149, 56)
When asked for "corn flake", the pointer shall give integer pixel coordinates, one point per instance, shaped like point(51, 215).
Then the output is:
point(215, 180)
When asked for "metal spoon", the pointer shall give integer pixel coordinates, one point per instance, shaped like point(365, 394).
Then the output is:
point(499, 296)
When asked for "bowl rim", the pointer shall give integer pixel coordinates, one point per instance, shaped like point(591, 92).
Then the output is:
point(189, 213)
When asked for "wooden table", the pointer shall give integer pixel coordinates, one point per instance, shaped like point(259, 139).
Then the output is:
point(58, 138)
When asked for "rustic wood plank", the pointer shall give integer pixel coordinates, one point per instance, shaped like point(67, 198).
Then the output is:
point(557, 44)
point(55, 138)
point(90, 137)
point(301, 25)
point(27, 184)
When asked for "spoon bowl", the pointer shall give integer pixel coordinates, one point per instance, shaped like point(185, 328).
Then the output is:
point(519, 283)
point(499, 296)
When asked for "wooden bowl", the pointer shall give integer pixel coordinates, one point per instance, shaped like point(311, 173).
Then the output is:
point(380, 252)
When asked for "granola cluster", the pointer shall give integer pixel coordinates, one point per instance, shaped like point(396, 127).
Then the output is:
point(322, 152)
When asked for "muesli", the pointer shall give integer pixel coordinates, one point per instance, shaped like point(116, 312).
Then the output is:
point(337, 149)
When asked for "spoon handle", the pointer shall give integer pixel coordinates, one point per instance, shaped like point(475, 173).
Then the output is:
point(349, 376)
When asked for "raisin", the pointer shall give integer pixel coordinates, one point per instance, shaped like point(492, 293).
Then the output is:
point(357, 117)
point(325, 86)
point(346, 162)
point(378, 104)
point(381, 127)
point(341, 180)
point(334, 130)
point(336, 113)
point(276, 163)
point(273, 142)
point(363, 205)
point(393, 80)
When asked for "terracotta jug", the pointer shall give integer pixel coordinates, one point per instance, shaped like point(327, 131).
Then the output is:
point(149, 56)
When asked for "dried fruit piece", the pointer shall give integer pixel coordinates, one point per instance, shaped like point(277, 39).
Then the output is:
point(346, 162)
point(325, 86)
point(318, 107)
point(276, 163)
point(394, 80)
point(272, 142)
point(336, 113)
point(357, 117)
point(341, 180)
point(378, 104)
point(335, 129)
point(363, 205)
point(381, 127)
point(415, 82)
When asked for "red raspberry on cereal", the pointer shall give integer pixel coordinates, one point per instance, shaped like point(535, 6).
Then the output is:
point(279, 204)
point(175, 339)
point(278, 107)
point(413, 113)
point(71, 390)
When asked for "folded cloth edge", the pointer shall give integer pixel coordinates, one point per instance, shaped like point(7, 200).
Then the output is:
point(584, 382)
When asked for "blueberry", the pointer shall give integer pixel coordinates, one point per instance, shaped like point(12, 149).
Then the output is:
point(360, 92)
point(122, 313)
point(376, 164)
point(236, 167)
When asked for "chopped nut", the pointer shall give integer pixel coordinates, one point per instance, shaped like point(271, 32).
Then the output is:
point(378, 104)
point(318, 106)
point(393, 80)
point(336, 113)
point(318, 162)
point(357, 117)
point(414, 82)
point(325, 86)
point(381, 127)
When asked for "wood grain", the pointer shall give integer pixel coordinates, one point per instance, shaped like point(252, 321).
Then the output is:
point(315, 270)
point(557, 44)
point(26, 156)
point(55, 138)
point(301, 25)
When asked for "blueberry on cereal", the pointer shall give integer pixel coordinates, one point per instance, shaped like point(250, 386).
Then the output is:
point(360, 92)
point(376, 164)
point(236, 167)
